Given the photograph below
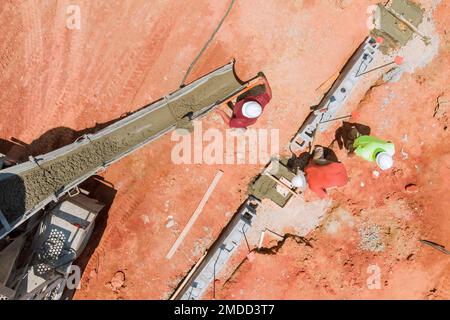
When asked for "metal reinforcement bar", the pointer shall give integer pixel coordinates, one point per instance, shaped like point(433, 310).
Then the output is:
point(336, 97)
point(27, 188)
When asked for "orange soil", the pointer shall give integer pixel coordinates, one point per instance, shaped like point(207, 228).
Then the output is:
point(128, 54)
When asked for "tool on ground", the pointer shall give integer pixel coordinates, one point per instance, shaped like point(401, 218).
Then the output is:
point(398, 61)
point(339, 118)
point(435, 246)
point(250, 84)
point(261, 239)
point(329, 81)
point(354, 115)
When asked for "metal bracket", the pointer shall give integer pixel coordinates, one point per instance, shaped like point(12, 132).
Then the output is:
point(73, 192)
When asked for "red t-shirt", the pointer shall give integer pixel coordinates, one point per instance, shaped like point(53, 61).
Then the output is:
point(239, 120)
point(321, 177)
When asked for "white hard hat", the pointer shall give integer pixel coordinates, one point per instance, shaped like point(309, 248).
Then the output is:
point(299, 181)
point(384, 160)
point(251, 109)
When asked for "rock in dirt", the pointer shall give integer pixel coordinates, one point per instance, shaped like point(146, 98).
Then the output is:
point(370, 238)
point(170, 223)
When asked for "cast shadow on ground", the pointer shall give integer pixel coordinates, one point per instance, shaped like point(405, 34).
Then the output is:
point(18, 151)
point(105, 193)
point(12, 189)
point(17, 248)
point(346, 134)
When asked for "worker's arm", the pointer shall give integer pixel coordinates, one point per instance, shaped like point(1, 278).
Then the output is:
point(339, 137)
point(266, 84)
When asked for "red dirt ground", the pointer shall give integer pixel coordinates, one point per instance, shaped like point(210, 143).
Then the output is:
point(130, 53)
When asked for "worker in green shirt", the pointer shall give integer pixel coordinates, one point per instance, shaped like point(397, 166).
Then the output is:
point(375, 149)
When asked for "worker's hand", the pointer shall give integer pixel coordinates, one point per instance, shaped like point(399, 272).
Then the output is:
point(262, 76)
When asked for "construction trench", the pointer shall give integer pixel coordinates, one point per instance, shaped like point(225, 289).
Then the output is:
point(27, 187)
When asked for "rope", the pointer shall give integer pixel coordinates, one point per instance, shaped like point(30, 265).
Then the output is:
point(191, 66)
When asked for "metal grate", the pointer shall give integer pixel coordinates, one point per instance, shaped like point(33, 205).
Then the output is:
point(54, 245)
point(50, 253)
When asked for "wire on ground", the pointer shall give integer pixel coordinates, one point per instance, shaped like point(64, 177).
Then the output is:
point(207, 43)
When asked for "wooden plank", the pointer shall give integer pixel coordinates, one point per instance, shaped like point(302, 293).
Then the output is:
point(195, 215)
point(188, 277)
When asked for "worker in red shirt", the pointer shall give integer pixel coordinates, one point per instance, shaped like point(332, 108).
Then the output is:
point(321, 174)
point(247, 110)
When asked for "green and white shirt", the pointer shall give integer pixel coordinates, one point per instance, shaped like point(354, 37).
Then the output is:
point(367, 147)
